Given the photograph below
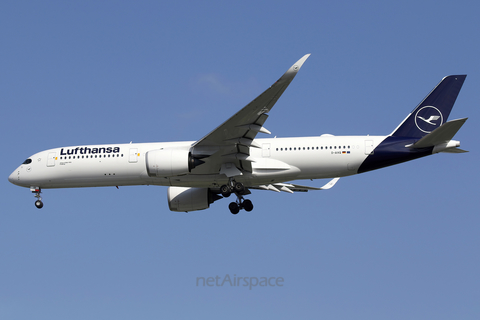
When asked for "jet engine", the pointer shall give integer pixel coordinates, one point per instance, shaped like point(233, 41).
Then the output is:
point(182, 199)
point(170, 162)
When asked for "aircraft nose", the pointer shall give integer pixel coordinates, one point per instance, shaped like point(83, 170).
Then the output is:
point(13, 178)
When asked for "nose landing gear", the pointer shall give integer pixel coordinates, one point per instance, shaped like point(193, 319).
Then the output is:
point(37, 191)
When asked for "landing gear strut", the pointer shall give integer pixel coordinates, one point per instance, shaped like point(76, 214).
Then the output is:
point(238, 188)
point(37, 191)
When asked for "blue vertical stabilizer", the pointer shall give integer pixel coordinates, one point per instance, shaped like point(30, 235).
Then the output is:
point(433, 111)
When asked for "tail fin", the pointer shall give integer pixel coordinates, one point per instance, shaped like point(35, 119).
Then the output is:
point(433, 111)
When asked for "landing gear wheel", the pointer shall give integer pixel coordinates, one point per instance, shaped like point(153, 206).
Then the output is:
point(225, 191)
point(39, 204)
point(247, 205)
point(233, 206)
point(37, 191)
point(239, 187)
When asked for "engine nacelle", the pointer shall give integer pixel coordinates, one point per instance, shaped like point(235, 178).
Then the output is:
point(170, 162)
point(182, 199)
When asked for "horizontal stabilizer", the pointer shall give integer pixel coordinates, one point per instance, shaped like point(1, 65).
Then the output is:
point(441, 135)
point(454, 150)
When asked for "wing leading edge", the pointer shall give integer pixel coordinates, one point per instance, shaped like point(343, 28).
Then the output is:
point(226, 149)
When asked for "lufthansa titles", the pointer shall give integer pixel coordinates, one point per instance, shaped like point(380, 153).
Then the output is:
point(88, 150)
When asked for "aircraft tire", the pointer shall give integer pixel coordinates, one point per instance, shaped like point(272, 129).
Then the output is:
point(225, 191)
point(39, 204)
point(248, 205)
point(239, 187)
point(233, 206)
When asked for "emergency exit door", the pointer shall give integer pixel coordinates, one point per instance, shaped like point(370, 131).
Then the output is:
point(52, 156)
point(369, 147)
point(266, 150)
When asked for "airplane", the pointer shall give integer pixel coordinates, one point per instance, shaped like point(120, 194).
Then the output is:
point(232, 160)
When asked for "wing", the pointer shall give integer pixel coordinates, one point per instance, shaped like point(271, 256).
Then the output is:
point(291, 188)
point(226, 149)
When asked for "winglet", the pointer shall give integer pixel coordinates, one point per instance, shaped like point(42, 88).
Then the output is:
point(292, 72)
point(330, 184)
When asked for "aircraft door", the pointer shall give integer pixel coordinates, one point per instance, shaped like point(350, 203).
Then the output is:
point(368, 147)
point(52, 156)
point(133, 155)
point(266, 150)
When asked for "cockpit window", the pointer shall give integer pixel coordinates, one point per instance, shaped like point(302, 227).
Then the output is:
point(27, 161)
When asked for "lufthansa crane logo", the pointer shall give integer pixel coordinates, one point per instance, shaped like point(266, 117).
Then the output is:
point(428, 118)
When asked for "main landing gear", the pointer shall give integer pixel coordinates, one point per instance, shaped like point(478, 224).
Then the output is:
point(239, 189)
point(241, 203)
point(37, 191)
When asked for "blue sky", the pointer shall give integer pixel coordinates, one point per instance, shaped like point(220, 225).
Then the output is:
point(397, 243)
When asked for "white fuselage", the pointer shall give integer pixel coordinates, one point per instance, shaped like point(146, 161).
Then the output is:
point(275, 160)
